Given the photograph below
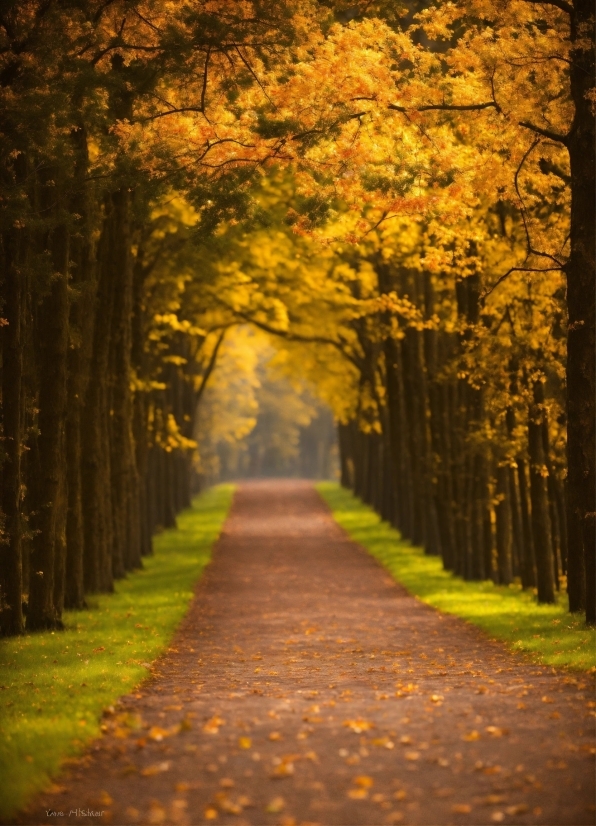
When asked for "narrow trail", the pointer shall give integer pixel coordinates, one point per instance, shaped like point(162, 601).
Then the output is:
point(306, 687)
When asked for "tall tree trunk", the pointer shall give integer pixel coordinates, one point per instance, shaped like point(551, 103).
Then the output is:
point(96, 487)
point(47, 483)
point(11, 574)
point(581, 342)
point(539, 495)
point(504, 534)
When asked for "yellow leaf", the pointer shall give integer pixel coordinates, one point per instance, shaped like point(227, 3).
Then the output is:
point(495, 731)
point(518, 809)
point(275, 806)
point(244, 742)
point(212, 725)
point(472, 735)
point(358, 726)
point(364, 781)
point(358, 794)
point(461, 809)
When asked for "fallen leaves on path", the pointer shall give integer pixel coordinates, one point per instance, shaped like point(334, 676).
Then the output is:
point(359, 725)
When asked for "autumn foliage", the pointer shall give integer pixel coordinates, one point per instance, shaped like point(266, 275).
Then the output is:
point(401, 196)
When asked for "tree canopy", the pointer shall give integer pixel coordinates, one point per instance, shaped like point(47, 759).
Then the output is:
point(400, 197)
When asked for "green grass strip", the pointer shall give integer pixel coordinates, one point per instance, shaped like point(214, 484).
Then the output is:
point(547, 633)
point(54, 686)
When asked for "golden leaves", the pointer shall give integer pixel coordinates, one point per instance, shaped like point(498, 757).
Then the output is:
point(213, 725)
point(359, 725)
point(156, 768)
point(363, 783)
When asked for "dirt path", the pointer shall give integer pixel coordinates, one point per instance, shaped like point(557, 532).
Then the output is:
point(305, 686)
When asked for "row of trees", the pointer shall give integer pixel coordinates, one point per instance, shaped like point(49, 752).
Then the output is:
point(426, 259)
point(467, 458)
point(102, 369)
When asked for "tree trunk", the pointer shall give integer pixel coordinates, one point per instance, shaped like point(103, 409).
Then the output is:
point(581, 343)
point(541, 528)
point(46, 482)
point(11, 574)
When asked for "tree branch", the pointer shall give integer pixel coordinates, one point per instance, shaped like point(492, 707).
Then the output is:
point(210, 367)
point(446, 107)
point(505, 275)
point(546, 133)
point(559, 4)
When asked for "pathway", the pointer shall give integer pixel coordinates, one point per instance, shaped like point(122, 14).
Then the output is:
point(306, 687)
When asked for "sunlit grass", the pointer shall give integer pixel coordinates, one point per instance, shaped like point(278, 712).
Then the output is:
point(53, 686)
point(547, 633)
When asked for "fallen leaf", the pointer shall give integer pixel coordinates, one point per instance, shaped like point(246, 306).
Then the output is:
point(364, 781)
point(212, 726)
point(284, 769)
point(461, 809)
point(210, 814)
point(412, 755)
point(358, 726)
point(495, 731)
point(547, 700)
point(518, 809)
point(244, 742)
point(275, 806)
point(156, 768)
point(358, 794)
point(275, 735)
point(383, 742)
point(226, 783)
point(229, 807)
point(472, 735)
point(497, 817)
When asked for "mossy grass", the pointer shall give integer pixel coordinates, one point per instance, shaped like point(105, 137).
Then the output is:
point(547, 633)
point(54, 685)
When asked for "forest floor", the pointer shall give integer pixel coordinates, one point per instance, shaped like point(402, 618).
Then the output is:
point(305, 686)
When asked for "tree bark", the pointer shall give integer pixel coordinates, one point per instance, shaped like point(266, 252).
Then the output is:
point(581, 343)
point(46, 482)
point(541, 528)
point(11, 573)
